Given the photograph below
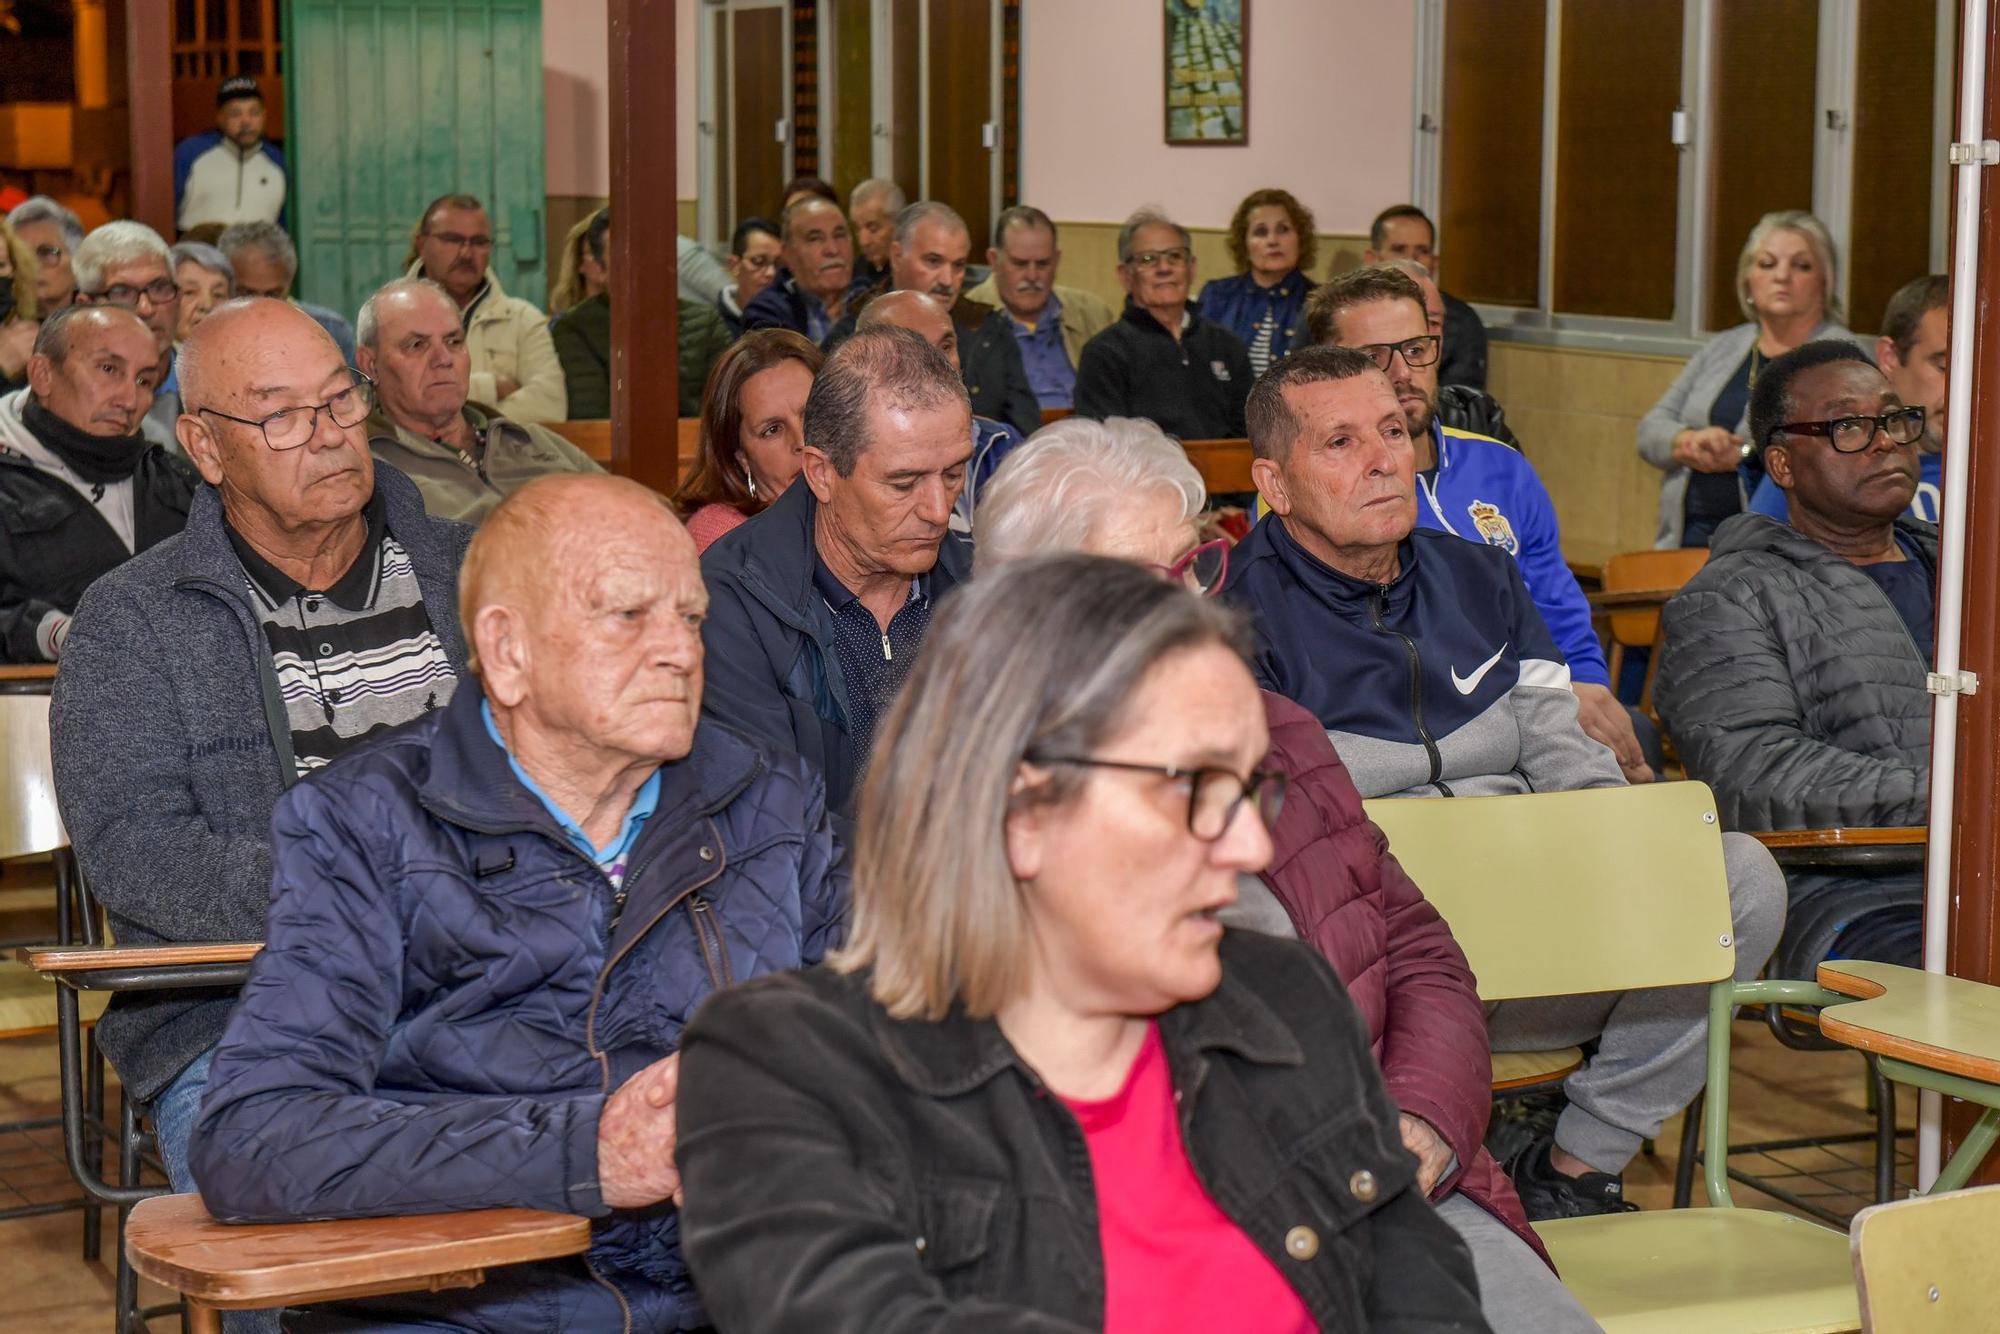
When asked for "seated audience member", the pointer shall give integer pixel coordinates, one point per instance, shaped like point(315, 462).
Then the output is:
point(53, 233)
point(929, 318)
point(463, 458)
point(206, 280)
point(927, 253)
point(231, 173)
point(1062, 801)
point(1473, 486)
point(1794, 667)
point(264, 261)
point(1788, 286)
point(20, 313)
point(1123, 489)
point(1914, 352)
point(1161, 360)
point(754, 250)
point(514, 364)
point(80, 489)
point(1405, 232)
point(808, 294)
point(1272, 241)
point(1425, 659)
point(1050, 322)
point(125, 263)
point(483, 933)
point(871, 210)
point(752, 431)
point(820, 603)
point(582, 335)
point(1458, 405)
point(581, 274)
point(308, 605)
point(700, 275)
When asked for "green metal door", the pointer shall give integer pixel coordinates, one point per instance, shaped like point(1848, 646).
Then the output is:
point(391, 103)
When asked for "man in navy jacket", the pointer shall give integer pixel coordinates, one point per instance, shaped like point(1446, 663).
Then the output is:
point(488, 929)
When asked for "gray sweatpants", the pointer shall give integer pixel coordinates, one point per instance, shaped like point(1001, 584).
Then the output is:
point(1518, 1294)
point(1652, 1045)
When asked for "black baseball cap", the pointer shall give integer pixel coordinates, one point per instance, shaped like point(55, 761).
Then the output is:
point(241, 85)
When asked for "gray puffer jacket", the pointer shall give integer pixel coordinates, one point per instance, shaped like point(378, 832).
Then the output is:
point(1792, 687)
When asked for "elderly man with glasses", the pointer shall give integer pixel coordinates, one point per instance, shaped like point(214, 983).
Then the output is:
point(1163, 361)
point(309, 605)
point(125, 263)
point(1794, 669)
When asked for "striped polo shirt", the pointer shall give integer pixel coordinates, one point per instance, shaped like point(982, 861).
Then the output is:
point(352, 660)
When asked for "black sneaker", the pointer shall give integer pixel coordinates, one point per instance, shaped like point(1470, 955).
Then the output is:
point(1547, 1193)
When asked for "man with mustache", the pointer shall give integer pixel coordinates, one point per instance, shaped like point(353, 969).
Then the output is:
point(81, 490)
point(1050, 322)
point(809, 293)
point(1793, 676)
point(820, 603)
point(514, 362)
point(308, 605)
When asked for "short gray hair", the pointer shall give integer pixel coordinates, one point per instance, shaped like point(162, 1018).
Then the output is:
point(1053, 493)
point(926, 210)
point(1149, 216)
point(368, 324)
point(1818, 240)
point(120, 242)
point(876, 187)
point(888, 363)
point(268, 238)
point(205, 255)
point(52, 340)
point(41, 208)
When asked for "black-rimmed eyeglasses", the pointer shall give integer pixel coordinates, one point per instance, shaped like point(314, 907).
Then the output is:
point(1415, 352)
point(1851, 435)
point(1213, 794)
point(288, 428)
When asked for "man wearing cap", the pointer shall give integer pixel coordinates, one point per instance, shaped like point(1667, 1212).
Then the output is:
point(232, 173)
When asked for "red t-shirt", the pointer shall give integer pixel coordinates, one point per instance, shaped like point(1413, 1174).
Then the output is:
point(1172, 1259)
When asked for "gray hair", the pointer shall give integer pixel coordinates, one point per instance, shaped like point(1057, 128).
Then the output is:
point(120, 242)
point(887, 363)
point(1037, 661)
point(1149, 216)
point(875, 187)
point(1021, 215)
point(926, 210)
point(1817, 239)
point(207, 256)
point(52, 340)
point(268, 238)
point(1055, 491)
point(41, 208)
point(368, 324)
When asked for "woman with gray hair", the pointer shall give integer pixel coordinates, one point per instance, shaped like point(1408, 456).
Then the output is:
point(206, 279)
point(1698, 434)
point(1043, 1087)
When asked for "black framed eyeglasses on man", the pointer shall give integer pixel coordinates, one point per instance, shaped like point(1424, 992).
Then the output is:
point(1415, 352)
point(159, 292)
point(1213, 794)
point(288, 428)
point(1851, 435)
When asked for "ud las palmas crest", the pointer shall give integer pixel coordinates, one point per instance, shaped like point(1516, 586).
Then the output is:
point(1493, 527)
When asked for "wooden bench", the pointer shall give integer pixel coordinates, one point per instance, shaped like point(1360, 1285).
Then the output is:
point(593, 437)
point(1224, 464)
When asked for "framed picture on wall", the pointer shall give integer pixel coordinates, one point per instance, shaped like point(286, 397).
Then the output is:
point(1208, 71)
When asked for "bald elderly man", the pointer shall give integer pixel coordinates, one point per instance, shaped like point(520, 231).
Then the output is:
point(488, 929)
point(308, 605)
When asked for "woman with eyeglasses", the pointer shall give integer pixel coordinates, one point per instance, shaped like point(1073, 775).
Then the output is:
point(1123, 489)
point(1043, 1087)
point(752, 431)
point(18, 309)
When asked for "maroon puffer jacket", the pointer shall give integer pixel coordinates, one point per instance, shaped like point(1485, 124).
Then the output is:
point(1349, 899)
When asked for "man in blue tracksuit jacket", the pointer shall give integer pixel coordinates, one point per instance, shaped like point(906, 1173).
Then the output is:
point(1475, 487)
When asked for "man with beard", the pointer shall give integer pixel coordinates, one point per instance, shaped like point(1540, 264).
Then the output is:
point(80, 489)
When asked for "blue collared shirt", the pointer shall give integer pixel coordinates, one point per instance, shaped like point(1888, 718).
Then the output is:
point(1050, 374)
point(610, 858)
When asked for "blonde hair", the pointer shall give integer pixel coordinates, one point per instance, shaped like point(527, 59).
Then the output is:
point(25, 266)
point(1038, 659)
point(1817, 239)
point(568, 290)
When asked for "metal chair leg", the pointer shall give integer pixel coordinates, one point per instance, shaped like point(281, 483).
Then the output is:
point(1885, 1133)
point(1690, 1149)
point(129, 1140)
point(93, 1146)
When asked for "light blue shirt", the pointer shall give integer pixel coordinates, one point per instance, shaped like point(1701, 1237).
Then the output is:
point(612, 856)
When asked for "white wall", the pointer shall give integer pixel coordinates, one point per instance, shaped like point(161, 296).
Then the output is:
point(576, 51)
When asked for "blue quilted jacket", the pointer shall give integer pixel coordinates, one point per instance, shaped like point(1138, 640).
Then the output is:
point(450, 991)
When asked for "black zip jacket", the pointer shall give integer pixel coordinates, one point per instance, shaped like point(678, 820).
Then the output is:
point(1192, 388)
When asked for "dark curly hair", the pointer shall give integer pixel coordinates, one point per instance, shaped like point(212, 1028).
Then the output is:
point(1302, 223)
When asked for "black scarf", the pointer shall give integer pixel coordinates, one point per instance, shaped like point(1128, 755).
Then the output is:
point(98, 459)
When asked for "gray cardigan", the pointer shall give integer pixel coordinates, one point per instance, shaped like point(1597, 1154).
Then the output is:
point(1687, 402)
point(170, 747)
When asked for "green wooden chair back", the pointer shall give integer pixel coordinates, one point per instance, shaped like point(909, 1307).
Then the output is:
point(1922, 1264)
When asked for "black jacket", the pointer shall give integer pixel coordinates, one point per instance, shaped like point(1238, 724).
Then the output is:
point(772, 671)
point(54, 544)
point(1464, 360)
point(1793, 688)
point(989, 360)
point(1192, 388)
point(1475, 410)
point(846, 1171)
